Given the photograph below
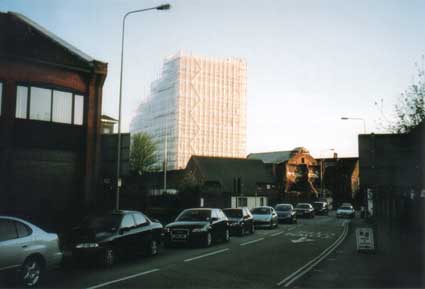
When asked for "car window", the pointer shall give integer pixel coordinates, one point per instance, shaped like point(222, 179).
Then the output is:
point(23, 230)
point(140, 219)
point(127, 221)
point(7, 230)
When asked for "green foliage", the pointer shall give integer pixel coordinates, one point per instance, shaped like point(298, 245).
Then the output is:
point(410, 111)
point(142, 154)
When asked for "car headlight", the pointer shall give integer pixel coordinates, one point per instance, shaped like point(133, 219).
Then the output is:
point(87, 245)
point(167, 230)
point(198, 230)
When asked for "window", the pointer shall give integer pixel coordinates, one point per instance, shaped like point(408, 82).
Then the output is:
point(7, 230)
point(261, 201)
point(21, 102)
point(127, 221)
point(242, 202)
point(78, 109)
point(23, 230)
point(62, 102)
point(140, 219)
point(49, 105)
point(40, 103)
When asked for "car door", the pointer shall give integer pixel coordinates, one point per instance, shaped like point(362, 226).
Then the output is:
point(126, 240)
point(143, 232)
point(11, 252)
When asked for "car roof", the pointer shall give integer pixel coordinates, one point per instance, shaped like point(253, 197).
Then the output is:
point(284, 204)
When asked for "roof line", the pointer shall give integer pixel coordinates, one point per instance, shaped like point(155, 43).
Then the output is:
point(54, 37)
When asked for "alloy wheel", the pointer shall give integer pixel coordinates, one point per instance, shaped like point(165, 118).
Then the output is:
point(31, 272)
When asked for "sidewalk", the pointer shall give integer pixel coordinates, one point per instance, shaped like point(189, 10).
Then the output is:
point(398, 262)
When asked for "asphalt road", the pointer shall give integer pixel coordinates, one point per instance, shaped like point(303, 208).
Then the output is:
point(269, 258)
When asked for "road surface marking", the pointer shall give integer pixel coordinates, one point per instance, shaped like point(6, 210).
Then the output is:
point(253, 241)
point(302, 240)
point(277, 234)
point(206, 255)
point(123, 279)
point(310, 265)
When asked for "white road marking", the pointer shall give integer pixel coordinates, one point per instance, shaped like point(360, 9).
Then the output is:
point(253, 241)
point(206, 255)
point(310, 265)
point(277, 234)
point(123, 279)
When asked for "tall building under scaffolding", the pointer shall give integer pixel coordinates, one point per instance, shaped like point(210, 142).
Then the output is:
point(196, 107)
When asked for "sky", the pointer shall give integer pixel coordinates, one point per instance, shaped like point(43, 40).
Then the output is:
point(309, 62)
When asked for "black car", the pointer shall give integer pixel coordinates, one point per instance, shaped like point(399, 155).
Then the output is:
point(201, 226)
point(240, 221)
point(304, 210)
point(286, 213)
point(320, 208)
point(116, 233)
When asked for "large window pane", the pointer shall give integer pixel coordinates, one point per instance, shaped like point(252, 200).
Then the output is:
point(62, 107)
point(78, 109)
point(21, 102)
point(40, 104)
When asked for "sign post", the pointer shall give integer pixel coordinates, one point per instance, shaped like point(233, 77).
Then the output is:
point(365, 240)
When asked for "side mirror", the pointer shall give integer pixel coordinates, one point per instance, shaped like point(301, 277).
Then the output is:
point(214, 220)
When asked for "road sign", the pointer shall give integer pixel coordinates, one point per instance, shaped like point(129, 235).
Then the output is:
point(365, 241)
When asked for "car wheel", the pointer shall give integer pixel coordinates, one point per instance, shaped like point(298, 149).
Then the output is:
point(252, 230)
point(227, 235)
point(31, 272)
point(208, 240)
point(153, 248)
point(108, 257)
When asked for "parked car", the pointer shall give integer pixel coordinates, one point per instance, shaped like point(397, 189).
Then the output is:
point(345, 211)
point(265, 216)
point(240, 221)
point(320, 208)
point(304, 210)
point(286, 213)
point(107, 236)
point(27, 250)
point(201, 226)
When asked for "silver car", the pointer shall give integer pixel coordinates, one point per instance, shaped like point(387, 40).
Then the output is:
point(265, 216)
point(27, 249)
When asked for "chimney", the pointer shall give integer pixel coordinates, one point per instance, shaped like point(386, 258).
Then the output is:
point(335, 155)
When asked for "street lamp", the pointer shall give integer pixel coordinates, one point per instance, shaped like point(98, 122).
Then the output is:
point(356, 118)
point(118, 181)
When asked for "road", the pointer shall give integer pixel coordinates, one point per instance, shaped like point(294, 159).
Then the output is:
point(269, 258)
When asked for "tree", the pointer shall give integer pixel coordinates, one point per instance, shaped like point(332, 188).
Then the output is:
point(410, 111)
point(142, 153)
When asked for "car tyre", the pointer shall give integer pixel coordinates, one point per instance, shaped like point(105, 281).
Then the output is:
point(252, 230)
point(153, 248)
point(31, 272)
point(109, 257)
point(227, 235)
point(208, 239)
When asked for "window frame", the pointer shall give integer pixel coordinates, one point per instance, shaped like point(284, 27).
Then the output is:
point(52, 88)
point(12, 223)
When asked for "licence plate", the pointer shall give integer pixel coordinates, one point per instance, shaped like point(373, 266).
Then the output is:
point(179, 236)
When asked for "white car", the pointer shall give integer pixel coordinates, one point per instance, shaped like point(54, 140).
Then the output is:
point(346, 210)
point(27, 249)
point(265, 216)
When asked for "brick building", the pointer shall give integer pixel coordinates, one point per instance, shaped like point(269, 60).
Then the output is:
point(50, 105)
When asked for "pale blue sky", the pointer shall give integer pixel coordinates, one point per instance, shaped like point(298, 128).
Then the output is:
point(309, 62)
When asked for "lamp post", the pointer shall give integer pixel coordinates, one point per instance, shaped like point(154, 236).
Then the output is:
point(356, 118)
point(118, 180)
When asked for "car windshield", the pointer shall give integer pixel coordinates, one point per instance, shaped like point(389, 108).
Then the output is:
point(346, 208)
point(195, 215)
point(233, 213)
point(283, 207)
point(303, 206)
point(102, 223)
point(261, 211)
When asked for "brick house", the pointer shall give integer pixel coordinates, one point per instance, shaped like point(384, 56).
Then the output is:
point(50, 105)
point(295, 170)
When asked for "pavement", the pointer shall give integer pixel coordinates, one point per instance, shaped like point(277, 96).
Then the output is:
point(397, 262)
